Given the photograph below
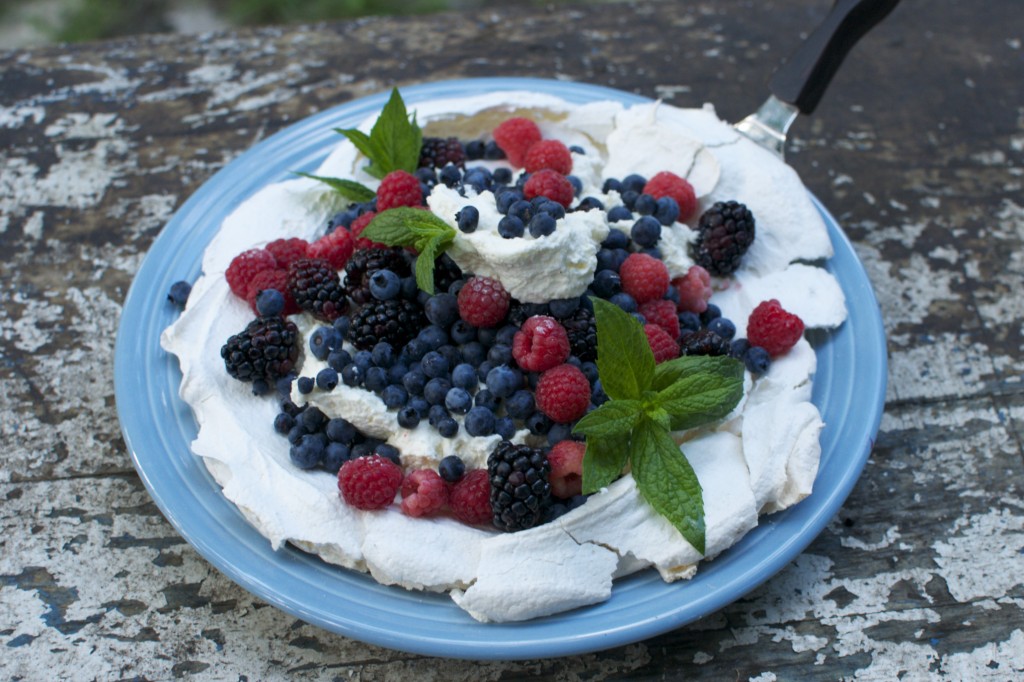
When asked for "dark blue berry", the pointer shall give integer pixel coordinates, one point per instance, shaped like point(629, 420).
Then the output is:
point(634, 183)
point(480, 180)
point(464, 376)
point(415, 350)
point(433, 336)
point(483, 368)
point(520, 404)
point(178, 295)
point(376, 379)
point(521, 209)
point(414, 381)
point(364, 449)
point(652, 251)
point(492, 152)
point(295, 434)
point(646, 231)
point(505, 427)
point(335, 454)
point(385, 285)
point(474, 149)
point(589, 371)
point(757, 360)
point(427, 175)
point(552, 208)
point(590, 204)
point(442, 310)
point(538, 423)
point(689, 321)
point(473, 353)
point(500, 354)
point(505, 200)
point(558, 433)
point(619, 213)
point(479, 421)
point(487, 336)
point(410, 290)
point(408, 418)
point(611, 184)
point(436, 390)
point(667, 211)
point(629, 198)
point(723, 327)
point(506, 335)
point(564, 307)
point(323, 340)
point(468, 218)
point(511, 227)
point(451, 353)
point(645, 205)
point(541, 225)
point(383, 354)
point(577, 184)
point(607, 283)
point(435, 365)
point(419, 404)
point(710, 313)
point(269, 302)
point(458, 400)
point(436, 414)
point(351, 375)
point(624, 301)
point(462, 332)
point(597, 394)
point(503, 381)
point(394, 396)
point(338, 359)
point(340, 430)
point(388, 452)
point(327, 379)
point(309, 452)
point(343, 324)
point(363, 359)
point(305, 385)
point(450, 176)
point(283, 423)
point(448, 427)
point(451, 468)
point(484, 398)
point(397, 372)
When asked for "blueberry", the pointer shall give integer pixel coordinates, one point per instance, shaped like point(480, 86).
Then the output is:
point(511, 227)
point(667, 211)
point(624, 301)
point(410, 290)
point(327, 379)
point(343, 324)
point(178, 295)
point(589, 371)
point(689, 321)
point(451, 353)
point(435, 365)
point(479, 421)
point(483, 369)
point(506, 335)
point(639, 318)
point(415, 350)
point(283, 385)
point(436, 390)
point(458, 400)
point(479, 179)
point(335, 454)
point(484, 398)
point(394, 396)
point(305, 385)
point(473, 353)
point(462, 332)
point(538, 423)
point(500, 354)
point(629, 198)
point(505, 427)
point(448, 427)
point(338, 359)
point(590, 204)
point(455, 287)
point(340, 430)
point(723, 327)
point(464, 376)
point(492, 152)
point(474, 149)
point(564, 307)
point(450, 175)
point(442, 310)
point(385, 285)
point(420, 405)
point(487, 336)
point(607, 260)
point(426, 175)
point(376, 379)
point(358, 450)
point(408, 418)
point(558, 433)
point(552, 208)
point(436, 414)
point(502, 175)
point(388, 452)
point(309, 452)
point(607, 283)
point(653, 252)
point(757, 360)
point(521, 209)
point(611, 184)
point(451, 468)
point(503, 381)
point(468, 218)
point(597, 394)
point(383, 354)
point(260, 386)
point(577, 184)
point(433, 336)
point(541, 225)
point(576, 149)
point(520, 404)
point(397, 372)
point(323, 340)
point(269, 302)
point(295, 434)
point(619, 213)
point(363, 359)
point(506, 199)
point(351, 375)
point(645, 205)
point(414, 381)
point(710, 313)
point(634, 183)
point(646, 231)
point(283, 423)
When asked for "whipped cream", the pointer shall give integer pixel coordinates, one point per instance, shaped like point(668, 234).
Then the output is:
point(761, 458)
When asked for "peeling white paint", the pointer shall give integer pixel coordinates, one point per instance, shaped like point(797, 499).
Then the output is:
point(984, 557)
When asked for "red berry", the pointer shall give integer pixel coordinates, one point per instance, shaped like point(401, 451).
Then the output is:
point(424, 492)
point(470, 498)
point(773, 328)
point(483, 302)
point(694, 290)
point(566, 476)
point(357, 227)
point(563, 393)
point(548, 183)
point(369, 482)
point(662, 313)
point(668, 184)
point(541, 344)
point(515, 137)
point(662, 345)
point(244, 267)
point(286, 251)
point(399, 188)
point(644, 277)
point(272, 279)
point(334, 247)
point(550, 154)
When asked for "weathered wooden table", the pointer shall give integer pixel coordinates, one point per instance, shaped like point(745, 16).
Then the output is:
point(918, 149)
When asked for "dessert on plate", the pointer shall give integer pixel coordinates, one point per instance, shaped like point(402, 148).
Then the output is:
point(512, 348)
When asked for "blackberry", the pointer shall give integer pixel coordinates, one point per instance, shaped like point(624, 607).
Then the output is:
point(446, 273)
point(265, 350)
point(316, 287)
point(365, 262)
point(520, 491)
point(724, 233)
point(519, 312)
point(438, 152)
point(704, 342)
point(582, 331)
point(396, 321)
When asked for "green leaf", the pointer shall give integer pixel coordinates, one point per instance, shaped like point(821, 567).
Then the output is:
point(425, 264)
point(603, 462)
point(700, 397)
point(408, 227)
point(350, 189)
point(625, 362)
point(667, 481)
point(668, 372)
point(614, 418)
point(394, 141)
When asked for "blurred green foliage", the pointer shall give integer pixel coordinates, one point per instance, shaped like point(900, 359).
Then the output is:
point(255, 12)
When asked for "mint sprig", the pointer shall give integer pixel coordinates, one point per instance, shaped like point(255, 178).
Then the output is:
point(350, 189)
point(647, 402)
point(394, 141)
point(411, 227)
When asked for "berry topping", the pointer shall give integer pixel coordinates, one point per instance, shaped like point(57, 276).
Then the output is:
point(369, 482)
point(483, 302)
point(563, 393)
point(541, 344)
point(357, 227)
point(704, 342)
point(668, 184)
point(364, 263)
point(470, 498)
point(566, 461)
point(287, 251)
point(269, 302)
point(438, 152)
point(396, 321)
point(317, 288)
point(423, 493)
point(244, 267)
point(550, 154)
point(662, 313)
point(582, 331)
point(178, 294)
point(270, 280)
point(724, 233)
point(662, 345)
point(515, 137)
point(399, 188)
point(644, 277)
point(335, 248)
point(265, 350)
point(773, 328)
point(694, 290)
point(550, 184)
point(451, 468)
point(519, 486)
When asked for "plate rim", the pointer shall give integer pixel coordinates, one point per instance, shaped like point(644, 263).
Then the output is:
point(539, 638)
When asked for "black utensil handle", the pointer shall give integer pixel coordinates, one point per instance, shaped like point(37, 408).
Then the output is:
point(802, 80)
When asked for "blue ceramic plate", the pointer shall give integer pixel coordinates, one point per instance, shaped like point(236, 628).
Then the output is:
point(158, 428)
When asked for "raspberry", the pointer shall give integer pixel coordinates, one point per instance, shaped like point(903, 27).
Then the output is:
point(694, 290)
point(424, 492)
point(773, 328)
point(272, 279)
point(566, 460)
point(662, 313)
point(550, 154)
point(316, 287)
point(644, 277)
point(369, 482)
point(483, 302)
point(287, 251)
point(662, 345)
point(515, 137)
point(358, 225)
point(541, 344)
point(334, 247)
point(563, 393)
point(399, 188)
point(668, 184)
point(470, 498)
point(244, 267)
point(548, 183)
point(438, 152)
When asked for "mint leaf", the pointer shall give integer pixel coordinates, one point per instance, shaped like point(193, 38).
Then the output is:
point(394, 141)
point(425, 264)
point(625, 362)
point(350, 189)
point(667, 373)
point(408, 227)
point(667, 481)
point(699, 397)
point(603, 462)
point(614, 418)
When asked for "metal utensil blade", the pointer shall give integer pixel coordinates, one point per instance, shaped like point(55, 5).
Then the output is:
point(769, 124)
